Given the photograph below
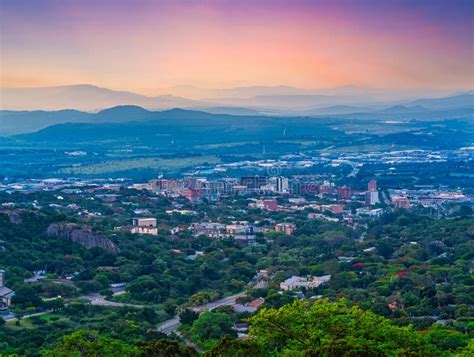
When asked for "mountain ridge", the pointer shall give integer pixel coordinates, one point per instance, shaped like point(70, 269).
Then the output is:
point(91, 98)
point(452, 107)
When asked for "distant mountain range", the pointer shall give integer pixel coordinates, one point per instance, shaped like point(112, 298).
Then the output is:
point(277, 99)
point(458, 101)
point(120, 107)
point(249, 92)
point(84, 97)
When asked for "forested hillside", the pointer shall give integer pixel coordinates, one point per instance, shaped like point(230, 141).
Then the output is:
point(404, 270)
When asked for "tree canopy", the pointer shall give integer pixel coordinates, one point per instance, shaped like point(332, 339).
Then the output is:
point(335, 329)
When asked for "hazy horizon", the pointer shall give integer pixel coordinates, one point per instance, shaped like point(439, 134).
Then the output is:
point(278, 99)
point(163, 90)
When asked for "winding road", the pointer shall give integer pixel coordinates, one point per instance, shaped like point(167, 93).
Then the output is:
point(171, 325)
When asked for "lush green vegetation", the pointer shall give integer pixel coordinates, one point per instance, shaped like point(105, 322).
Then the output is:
point(321, 328)
point(408, 273)
point(141, 163)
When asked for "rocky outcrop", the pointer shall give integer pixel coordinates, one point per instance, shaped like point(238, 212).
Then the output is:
point(82, 235)
point(14, 215)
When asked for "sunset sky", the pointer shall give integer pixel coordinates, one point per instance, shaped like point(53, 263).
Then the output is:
point(145, 45)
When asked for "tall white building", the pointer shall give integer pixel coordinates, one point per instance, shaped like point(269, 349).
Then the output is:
point(372, 198)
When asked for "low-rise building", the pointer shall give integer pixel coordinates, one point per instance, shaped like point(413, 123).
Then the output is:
point(287, 228)
point(144, 230)
point(269, 204)
point(142, 226)
point(400, 202)
point(144, 222)
point(297, 282)
point(344, 193)
point(334, 209)
point(209, 229)
point(322, 216)
point(376, 212)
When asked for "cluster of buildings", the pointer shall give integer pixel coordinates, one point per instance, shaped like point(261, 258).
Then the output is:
point(197, 189)
point(329, 201)
point(356, 159)
point(428, 196)
point(69, 185)
point(321, 198)
point(316, 195)
point(238, 230)
point(242, 231)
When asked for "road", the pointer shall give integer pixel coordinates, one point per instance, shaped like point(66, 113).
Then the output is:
point(13, 318)
point(171, 325)
point(97, 299)
point(94, 299)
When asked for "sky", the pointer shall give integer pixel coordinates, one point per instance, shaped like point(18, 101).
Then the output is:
point(147, 45)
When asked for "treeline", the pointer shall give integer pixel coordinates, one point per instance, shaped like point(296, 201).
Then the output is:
point(321, 328)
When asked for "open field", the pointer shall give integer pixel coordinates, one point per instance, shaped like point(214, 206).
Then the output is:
point(112, 166)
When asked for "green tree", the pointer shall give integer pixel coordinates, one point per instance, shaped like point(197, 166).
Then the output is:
point(212, 325)
point(83, 343)
point(26, 296)
point(225, 309)
point(188, 316)
point(335, 329)
point(166, 348)
point(467, 351)
point(228, 347)
point(446, 339)
point(54, 304)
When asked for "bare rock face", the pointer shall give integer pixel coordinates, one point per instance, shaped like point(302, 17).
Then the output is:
point(14, 215)
point(82, 235)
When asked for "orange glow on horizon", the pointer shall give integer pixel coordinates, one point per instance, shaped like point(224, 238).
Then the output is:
point(207, 44)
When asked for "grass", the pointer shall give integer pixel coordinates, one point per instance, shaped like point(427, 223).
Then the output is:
point(225, 145)
point(54, 316)
point(140, 163)
point(299, 142)
point(367, 148)
point(27, 323)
